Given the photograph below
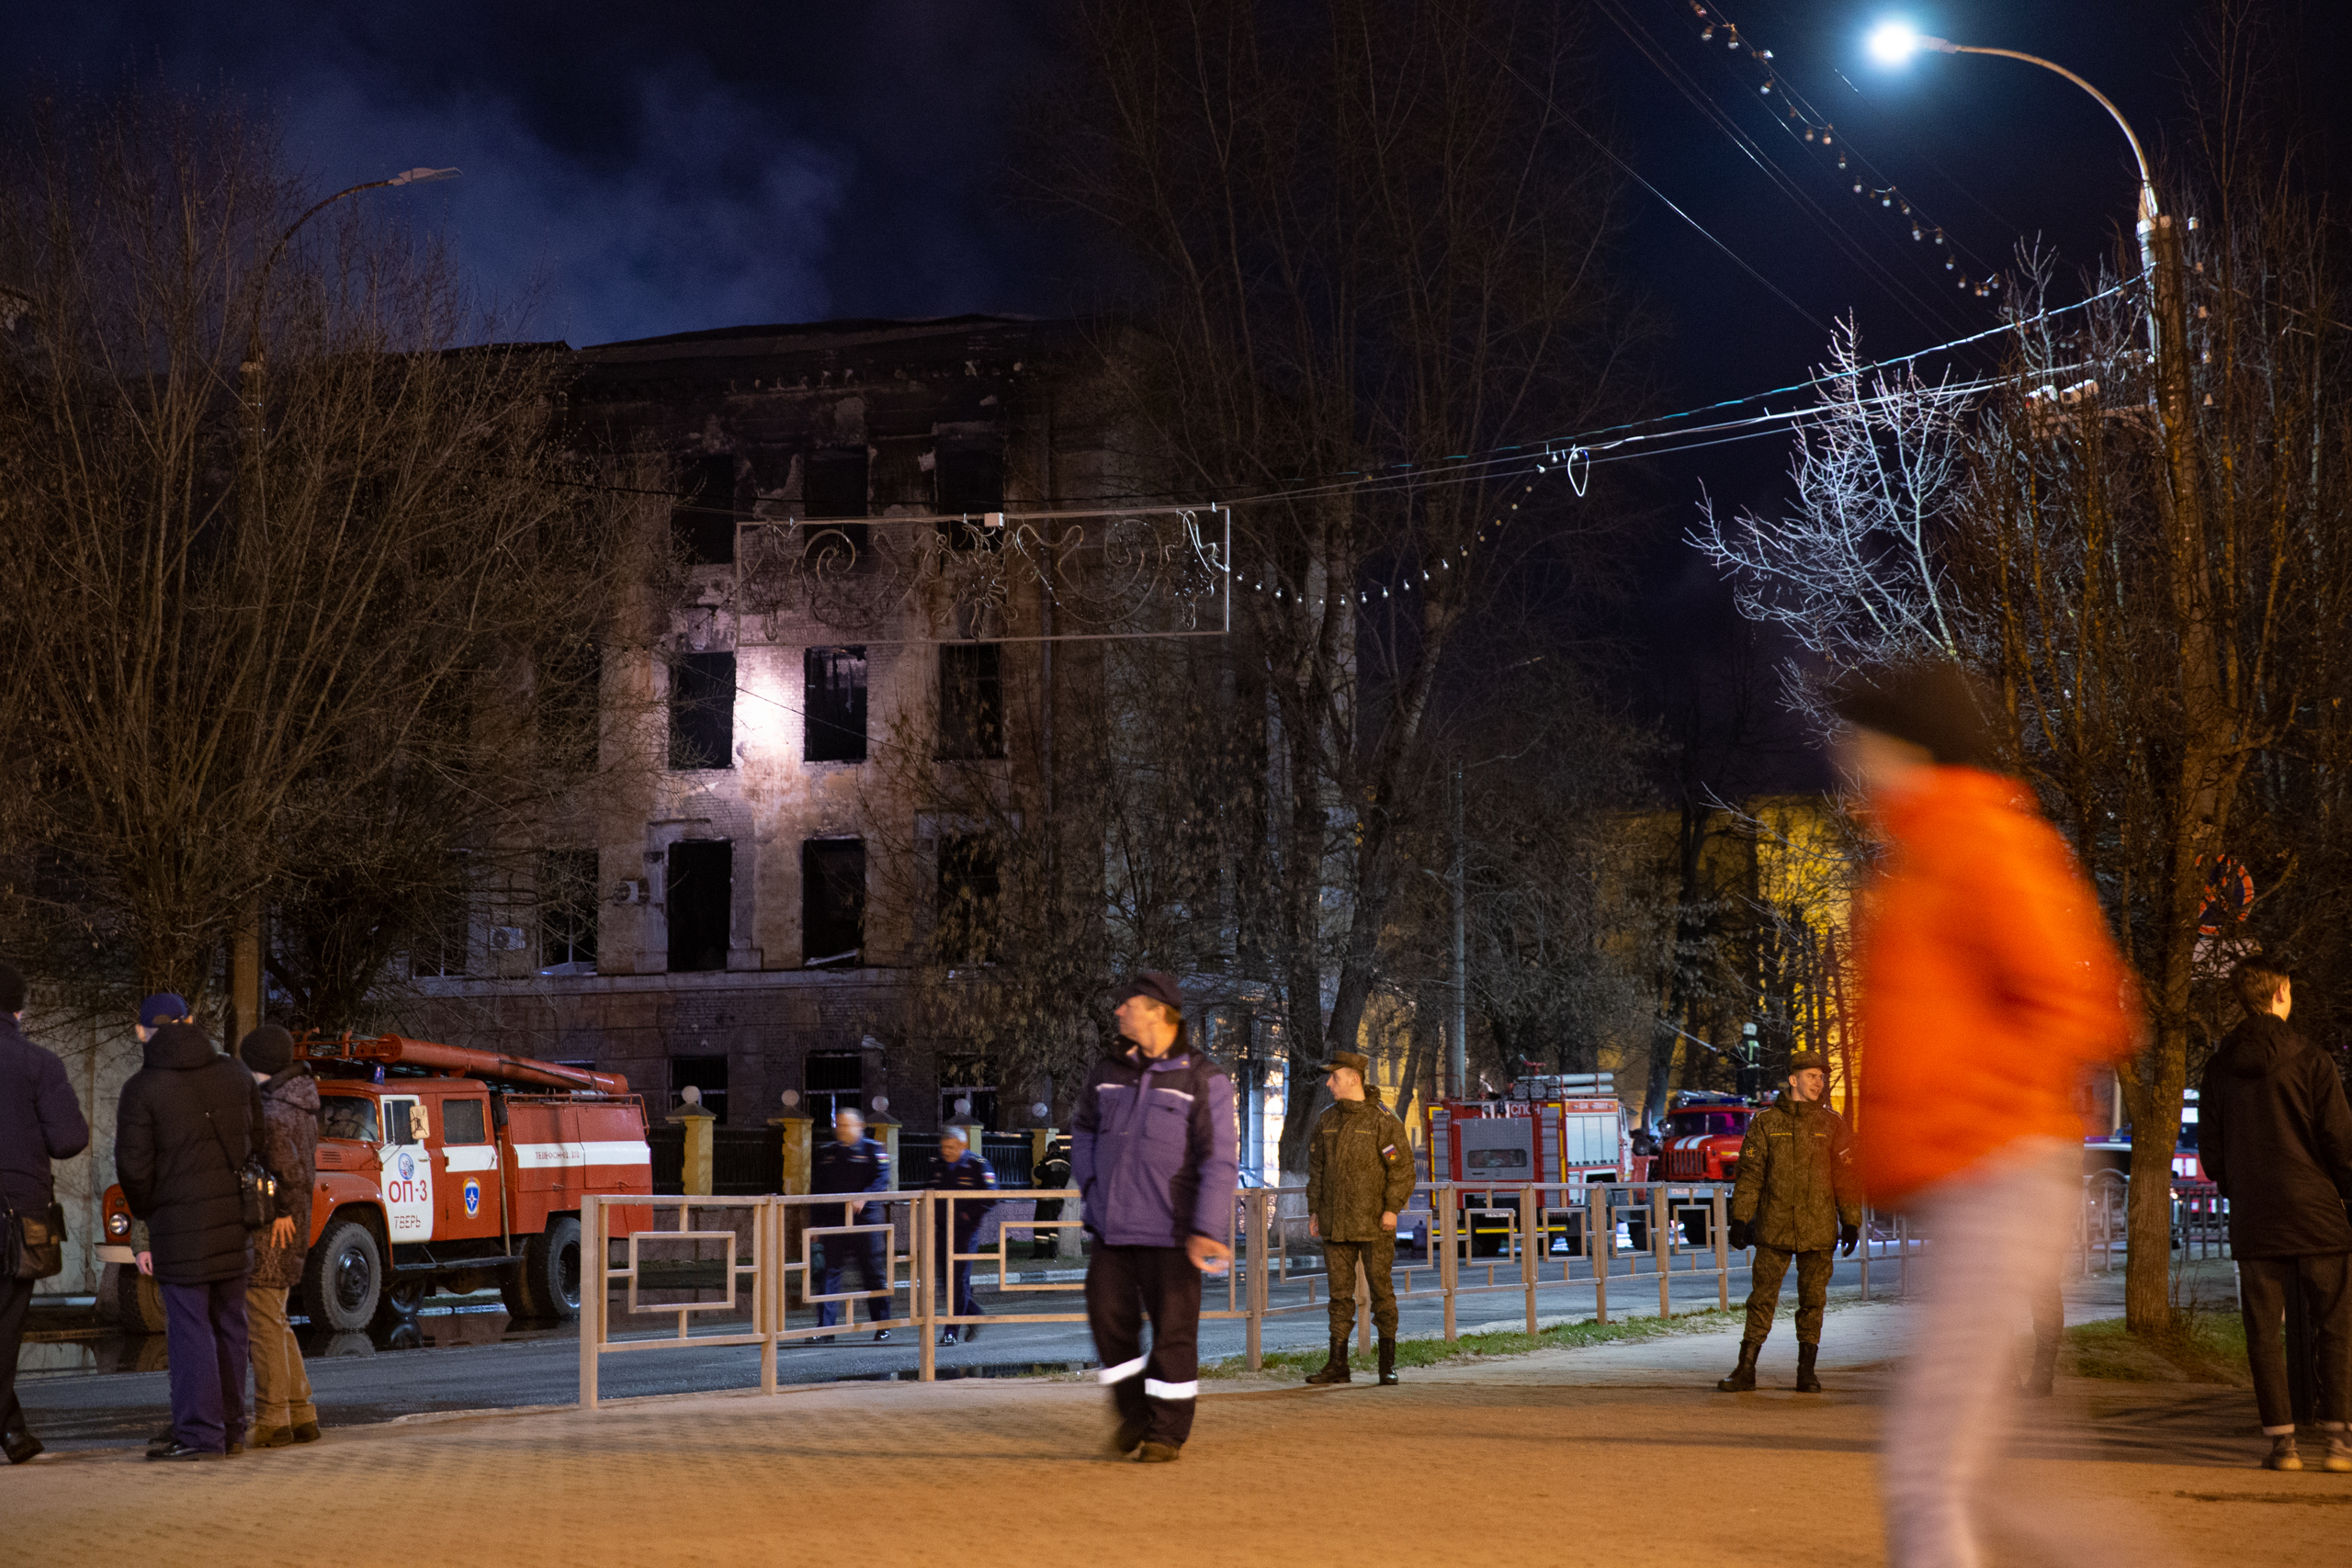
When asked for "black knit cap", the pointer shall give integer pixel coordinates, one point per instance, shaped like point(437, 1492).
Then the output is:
point(12, 988)
point(1933, 703)
point(268, 1050)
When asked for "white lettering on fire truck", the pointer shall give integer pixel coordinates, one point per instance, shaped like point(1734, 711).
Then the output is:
point(539, 1156)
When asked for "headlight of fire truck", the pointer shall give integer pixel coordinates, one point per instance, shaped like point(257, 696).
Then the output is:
point(117, 1224)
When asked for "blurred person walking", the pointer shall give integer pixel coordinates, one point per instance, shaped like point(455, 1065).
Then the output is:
point(2275, 1136)
point(1797, 1196)
point(283, 1411)
point(1359, 1178)
point(40, 1122)
point(1153, 1152)
point(1988, 986)
point(187, 1122)
point(1053, 1171)
point(961, 1170)
point(852, 1162)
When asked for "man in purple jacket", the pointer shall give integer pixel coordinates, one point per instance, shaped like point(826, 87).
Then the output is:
point(1152, 1153)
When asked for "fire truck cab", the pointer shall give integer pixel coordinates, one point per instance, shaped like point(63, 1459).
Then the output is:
point(1700, 1139)
point(439, 1166)
point(1549, 1129)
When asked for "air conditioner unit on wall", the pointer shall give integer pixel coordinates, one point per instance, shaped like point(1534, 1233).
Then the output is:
point(507, 939)
point(631, 891)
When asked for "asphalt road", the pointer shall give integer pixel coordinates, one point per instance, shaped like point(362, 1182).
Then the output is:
point(109, 1390)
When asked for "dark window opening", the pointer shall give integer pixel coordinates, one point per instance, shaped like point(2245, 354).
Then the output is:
point(833, 485)
point(971, 701)
point(707, 1074)
point(833, 722)
point(439, 949)
point(971, 485)
point(465, 1122)
point(969, 1078)
point(832, 901)
point(832, 1082)
point(969, 887)
point(702, 712)
point(566, 700)
point(568, 912)
point(703, 522)
point(698, 897)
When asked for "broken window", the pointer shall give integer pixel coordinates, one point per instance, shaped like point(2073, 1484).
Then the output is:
point(567, 912)
point(969, 883)
point(833, 721)
point(834, 485)
point(707, 1074)
point(698, 896)
point(564, 706)
point(703, 521)
point(702, 711)
point(831, 1082)
point(832, 901)
point(971, 700)
point(971, 485)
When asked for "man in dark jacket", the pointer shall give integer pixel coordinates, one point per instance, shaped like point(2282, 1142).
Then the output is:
point(188, 1121)
point(1152, 1152)
point(40, 1122)
point(961, 1170)
point(283, 1413)
point(1359, 1178)
point(2275, 1136)
point(1797, 1196)
point(1053, 1171)
point(852, 1162)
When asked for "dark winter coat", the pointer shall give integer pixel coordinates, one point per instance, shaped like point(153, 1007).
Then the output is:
point(1797, 1181)
point(289, 1147)
point(39, 1120)
point(1359, 1166)
point(2275, 1136)
point(836, 1166)
point(179, 1173)
point(1152, 1148)
point(968, 1174)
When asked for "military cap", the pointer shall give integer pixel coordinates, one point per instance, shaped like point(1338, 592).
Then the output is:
point(1801, 1060)
point(1357, 1061)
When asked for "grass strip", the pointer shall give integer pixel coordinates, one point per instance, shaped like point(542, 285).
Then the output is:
point(2198, 1347)
point(1429, 1351)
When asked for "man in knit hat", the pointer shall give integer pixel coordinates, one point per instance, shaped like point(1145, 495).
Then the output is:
point(1797, 1196)
point(283, 1413)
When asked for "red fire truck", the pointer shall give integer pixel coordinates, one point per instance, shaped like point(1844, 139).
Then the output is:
point(1553, 1129)
point(438, 1165)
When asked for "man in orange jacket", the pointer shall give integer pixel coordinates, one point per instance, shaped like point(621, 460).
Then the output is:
point(1988, 986)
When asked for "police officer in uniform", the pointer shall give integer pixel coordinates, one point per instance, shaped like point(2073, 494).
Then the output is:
point(961, 1170)
point(1798, 1195)
point(1359, 1178)
point(852, 1162)
point(1052, 1171)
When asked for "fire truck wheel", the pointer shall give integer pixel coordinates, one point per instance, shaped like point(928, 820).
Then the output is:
point(1698, 1228)
point(134, 1298)
point(344, 1279)
point(1637, 1233)
point(403, 1298)
point(547, 1282)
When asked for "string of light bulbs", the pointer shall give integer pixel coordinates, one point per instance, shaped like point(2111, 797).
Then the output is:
point(1822, 133)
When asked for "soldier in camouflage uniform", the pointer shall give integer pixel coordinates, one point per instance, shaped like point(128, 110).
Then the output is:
point(1358, 1176)
point(1797, 1196)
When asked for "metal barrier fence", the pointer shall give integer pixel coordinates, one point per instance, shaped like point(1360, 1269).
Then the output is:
point(756, 1257)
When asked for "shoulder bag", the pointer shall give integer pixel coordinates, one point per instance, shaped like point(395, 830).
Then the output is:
point(256, 1188)
point(32, 1247)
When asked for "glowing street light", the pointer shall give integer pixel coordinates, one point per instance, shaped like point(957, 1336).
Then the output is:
point(1895, 41)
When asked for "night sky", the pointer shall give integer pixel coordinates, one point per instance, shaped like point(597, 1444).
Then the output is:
point(632, 170)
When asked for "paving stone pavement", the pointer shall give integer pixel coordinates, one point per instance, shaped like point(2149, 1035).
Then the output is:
point(1620, 1454)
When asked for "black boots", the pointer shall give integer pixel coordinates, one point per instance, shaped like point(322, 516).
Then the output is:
point(1335, 1370)
point(1743, 1376)
point(2043, 1382)
point(1807, 1382)
point(1387, 1361)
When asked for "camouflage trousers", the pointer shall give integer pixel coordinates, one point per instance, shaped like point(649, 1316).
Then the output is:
point(1379, 1259)
point(1771, 1266)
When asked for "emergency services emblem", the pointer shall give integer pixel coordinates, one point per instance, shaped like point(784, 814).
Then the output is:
point(473, 1197)
point(408, 1167)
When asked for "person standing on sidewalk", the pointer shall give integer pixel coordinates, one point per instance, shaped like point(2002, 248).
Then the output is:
point(40, 1122)
point(1989, 986)
point(1797, 1196)
point(283, 1413)
point(2275, 1136)
point(1152, 1151)
point(1053, 1171)
point(850, 1162)
point(186, 1122)
point(1359, 1178)
point(961, 1170)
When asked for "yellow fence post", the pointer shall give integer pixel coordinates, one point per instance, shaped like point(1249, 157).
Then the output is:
point(698, 1122)
point(592, 1295)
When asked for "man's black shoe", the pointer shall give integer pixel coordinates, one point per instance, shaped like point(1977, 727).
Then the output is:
point(880, 1335)
point(20, 1447)
point(819, 1339)
point(181, 1450)
point(972, 1332)
point(947, 1336)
